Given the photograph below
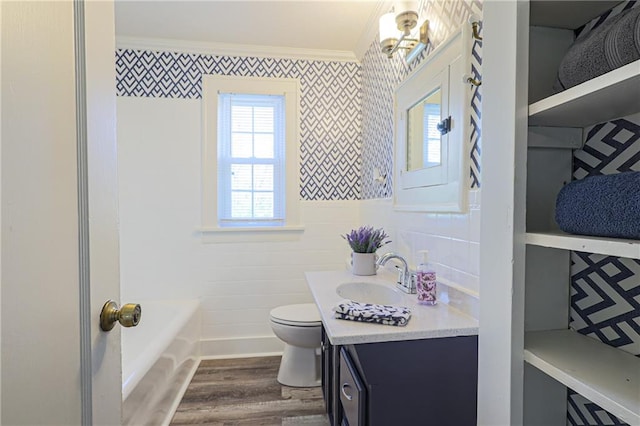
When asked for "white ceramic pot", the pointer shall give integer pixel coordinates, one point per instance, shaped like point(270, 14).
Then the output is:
point(364, 263)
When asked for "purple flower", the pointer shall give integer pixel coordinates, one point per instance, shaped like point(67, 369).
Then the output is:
point(366, 239)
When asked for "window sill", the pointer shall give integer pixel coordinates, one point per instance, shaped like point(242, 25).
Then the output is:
point(252, 234)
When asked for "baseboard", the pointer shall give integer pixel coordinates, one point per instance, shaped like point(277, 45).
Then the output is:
point(241, 347)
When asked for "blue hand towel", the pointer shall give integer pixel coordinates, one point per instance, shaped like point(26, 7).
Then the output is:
point(601, 206)
point(369, 312)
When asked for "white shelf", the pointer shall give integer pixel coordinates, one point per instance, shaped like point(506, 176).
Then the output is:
point(607, 246)
point(605, 375)
point(612, 95)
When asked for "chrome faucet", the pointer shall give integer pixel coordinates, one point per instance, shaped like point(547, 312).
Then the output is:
point(406, 279)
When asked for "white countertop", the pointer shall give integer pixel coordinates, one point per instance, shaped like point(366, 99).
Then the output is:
point(426, 322)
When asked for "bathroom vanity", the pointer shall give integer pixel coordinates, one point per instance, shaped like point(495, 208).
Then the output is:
point(421, 374)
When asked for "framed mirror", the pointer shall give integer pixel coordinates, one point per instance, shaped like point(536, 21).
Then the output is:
point(426, 146)
point(431, 130)
point(424, 140)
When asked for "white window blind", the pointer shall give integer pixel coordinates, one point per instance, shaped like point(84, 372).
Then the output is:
point(251, 160)
point(432, 137)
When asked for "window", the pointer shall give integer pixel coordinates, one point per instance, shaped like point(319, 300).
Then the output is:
point(251, 153)
point(250, 167)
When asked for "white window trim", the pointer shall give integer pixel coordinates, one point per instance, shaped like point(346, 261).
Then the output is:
point(290, 88)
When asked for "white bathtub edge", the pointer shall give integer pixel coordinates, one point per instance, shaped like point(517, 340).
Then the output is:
point(135, 371)
point(155, 398)
point(176, 401)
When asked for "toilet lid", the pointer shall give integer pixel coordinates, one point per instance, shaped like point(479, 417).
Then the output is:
point(305, 314)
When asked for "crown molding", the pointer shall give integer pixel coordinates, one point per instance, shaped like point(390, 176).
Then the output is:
point(229, 49)
point(370, 32)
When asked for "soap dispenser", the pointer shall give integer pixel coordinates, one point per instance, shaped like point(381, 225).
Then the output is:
point(426, 281)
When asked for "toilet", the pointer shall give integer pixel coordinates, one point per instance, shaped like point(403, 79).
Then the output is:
point(298, 326)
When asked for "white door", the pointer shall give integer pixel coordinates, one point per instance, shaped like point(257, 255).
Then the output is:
point(59, 251)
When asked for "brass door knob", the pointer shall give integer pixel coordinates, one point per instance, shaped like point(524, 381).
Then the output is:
point(128, 316)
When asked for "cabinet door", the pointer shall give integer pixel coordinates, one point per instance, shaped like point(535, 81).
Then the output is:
point(352, 392)
point(327, 371)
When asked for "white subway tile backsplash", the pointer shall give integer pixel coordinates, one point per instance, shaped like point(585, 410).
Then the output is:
point(459, 254)
point(430, 224)
point(459, 226)
point(403, 241)
point(444, 272)
point(474, 225)
point(444, 224)
point(452, 239)
point(474, 259)
point(442, 250)
point(474, 198)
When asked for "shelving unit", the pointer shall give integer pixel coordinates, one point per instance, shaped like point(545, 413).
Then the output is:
point(574, 107)
point(607, 376)
point(529, 355)
point(605, 246)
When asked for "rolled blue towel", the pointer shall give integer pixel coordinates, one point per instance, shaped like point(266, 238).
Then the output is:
point(601, 206)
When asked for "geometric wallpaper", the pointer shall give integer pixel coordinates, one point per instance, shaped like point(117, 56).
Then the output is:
point(346, 107)
point(610, 148)
point(381, 76)
point(605, 290)
point(330, 106)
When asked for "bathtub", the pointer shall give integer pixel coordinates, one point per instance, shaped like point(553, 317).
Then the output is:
point(159, 357)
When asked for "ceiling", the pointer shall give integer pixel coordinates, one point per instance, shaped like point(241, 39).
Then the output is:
point(336, 25)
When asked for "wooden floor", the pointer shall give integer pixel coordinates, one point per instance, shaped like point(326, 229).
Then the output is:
point(246, 392)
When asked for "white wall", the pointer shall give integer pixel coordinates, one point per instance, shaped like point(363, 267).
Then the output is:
point(452, 239)
point(162, 256)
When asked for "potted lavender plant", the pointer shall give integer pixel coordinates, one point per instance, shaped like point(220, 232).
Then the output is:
point(364, 242)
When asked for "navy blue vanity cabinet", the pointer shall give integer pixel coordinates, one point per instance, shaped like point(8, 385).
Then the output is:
point(414, 382)
point(352, 393)
point(330, 379)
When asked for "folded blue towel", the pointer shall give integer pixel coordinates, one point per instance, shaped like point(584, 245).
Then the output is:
point(608, 46)
point(368, 312)
point(602, 206)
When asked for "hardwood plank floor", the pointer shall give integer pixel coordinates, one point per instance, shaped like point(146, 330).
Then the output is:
point(245, 391)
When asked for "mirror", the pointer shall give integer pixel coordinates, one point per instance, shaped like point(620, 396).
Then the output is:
point(424, 144)
point(431, 131)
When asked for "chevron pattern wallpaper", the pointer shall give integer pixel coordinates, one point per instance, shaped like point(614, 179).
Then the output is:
point(330, 160)
point(381, 76)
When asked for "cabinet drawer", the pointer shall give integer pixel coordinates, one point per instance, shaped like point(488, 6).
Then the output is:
point(352, 392)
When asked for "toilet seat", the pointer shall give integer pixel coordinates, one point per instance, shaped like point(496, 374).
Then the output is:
point(301, 315)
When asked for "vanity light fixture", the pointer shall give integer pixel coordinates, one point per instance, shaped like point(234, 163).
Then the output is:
point(404, 20)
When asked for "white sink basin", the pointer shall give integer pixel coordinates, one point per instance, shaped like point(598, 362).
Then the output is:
point(369, 293)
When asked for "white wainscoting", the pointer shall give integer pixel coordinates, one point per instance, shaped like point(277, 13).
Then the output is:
point(163, 256)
